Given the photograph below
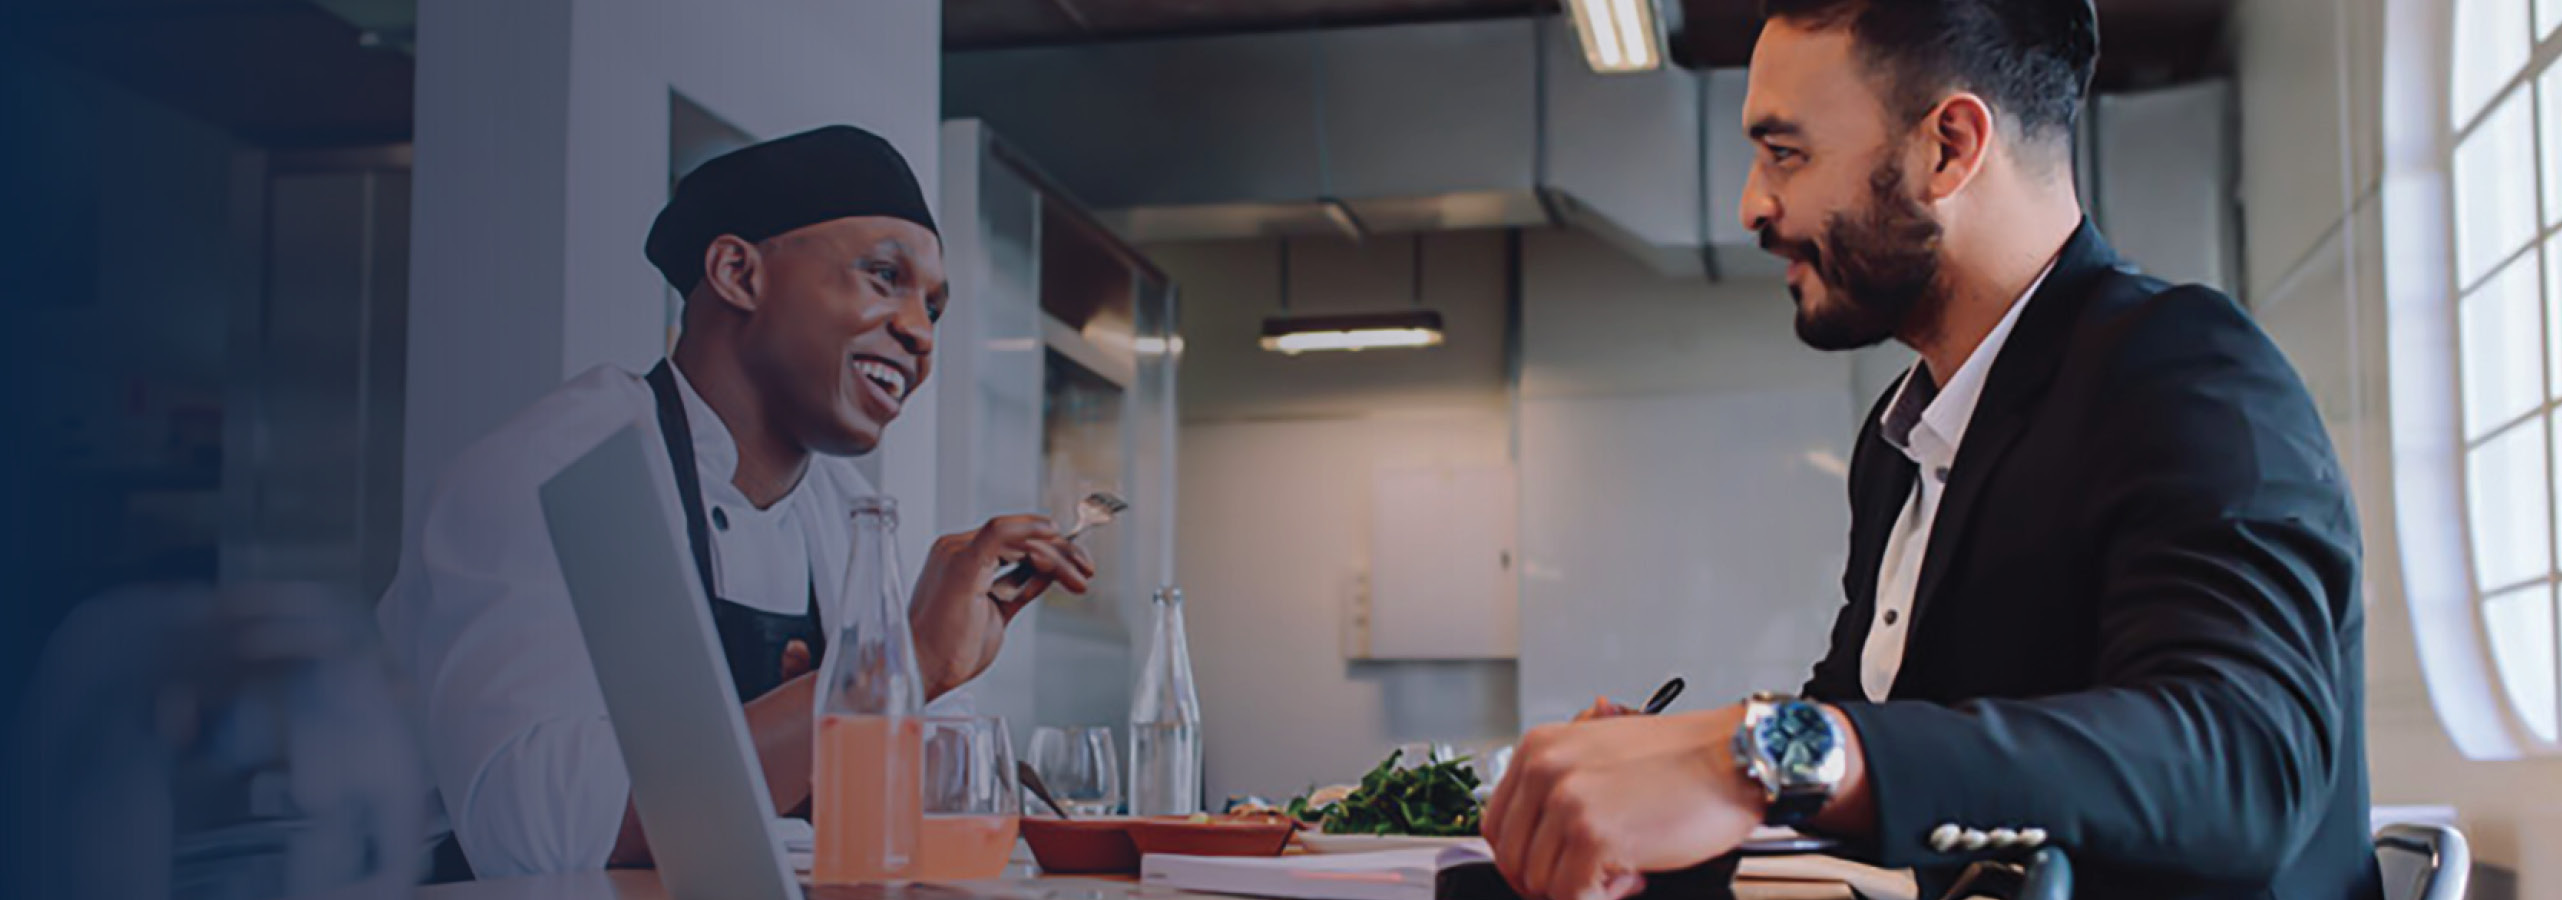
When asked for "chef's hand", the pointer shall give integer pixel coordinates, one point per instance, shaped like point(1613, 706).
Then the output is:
point(796, 660)
point(1587, 809)
point(959, 628)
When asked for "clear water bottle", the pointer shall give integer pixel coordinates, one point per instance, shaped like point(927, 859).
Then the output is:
point(867, 782)
point(1165, 721)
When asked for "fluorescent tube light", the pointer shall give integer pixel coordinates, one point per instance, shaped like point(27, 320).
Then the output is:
point(1617, 35)
point(1354, 331)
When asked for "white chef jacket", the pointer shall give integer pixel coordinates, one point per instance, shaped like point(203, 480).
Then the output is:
point(514, 724)
point(1927, 423)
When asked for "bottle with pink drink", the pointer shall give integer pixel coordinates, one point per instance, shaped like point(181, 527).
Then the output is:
point(867, 781)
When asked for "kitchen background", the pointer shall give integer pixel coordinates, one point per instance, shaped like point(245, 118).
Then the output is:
point(259, 270)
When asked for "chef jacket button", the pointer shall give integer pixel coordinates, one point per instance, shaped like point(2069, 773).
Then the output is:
point(1941, 473)
point(1972, 840)
point(720, 519)
point(2030, 837)
point(1944, 838)
point(2002, 837)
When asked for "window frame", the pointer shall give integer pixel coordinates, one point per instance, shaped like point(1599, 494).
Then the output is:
point(2491, 722)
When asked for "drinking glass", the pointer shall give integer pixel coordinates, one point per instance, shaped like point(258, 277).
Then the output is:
point(972, 803)
point(1081, 765)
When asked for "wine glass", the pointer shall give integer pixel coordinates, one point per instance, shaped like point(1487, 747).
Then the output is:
point(1081, 765)
point(972, 803)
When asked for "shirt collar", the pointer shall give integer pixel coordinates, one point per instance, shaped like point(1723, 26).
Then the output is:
point(1926, 420)
point(716, 452)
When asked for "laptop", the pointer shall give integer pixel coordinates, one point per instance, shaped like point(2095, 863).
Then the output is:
point(619, 531)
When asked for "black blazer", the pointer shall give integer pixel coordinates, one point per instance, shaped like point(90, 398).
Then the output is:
point(2137, 624)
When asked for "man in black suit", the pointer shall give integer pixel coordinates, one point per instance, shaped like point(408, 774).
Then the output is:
point(2102, 589)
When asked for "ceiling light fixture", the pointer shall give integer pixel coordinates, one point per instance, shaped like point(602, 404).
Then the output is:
point(1353, 331)
point(1618, 36)
point(1391, 329)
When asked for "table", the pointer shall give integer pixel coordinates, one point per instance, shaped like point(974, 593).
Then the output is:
point(642, 884)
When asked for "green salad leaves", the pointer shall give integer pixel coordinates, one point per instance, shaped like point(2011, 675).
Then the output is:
point(1436, 799)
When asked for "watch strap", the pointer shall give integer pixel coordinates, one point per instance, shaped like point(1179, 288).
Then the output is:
point(1793, 808)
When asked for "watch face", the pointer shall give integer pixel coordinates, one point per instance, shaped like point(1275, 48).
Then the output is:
point(1798, 739)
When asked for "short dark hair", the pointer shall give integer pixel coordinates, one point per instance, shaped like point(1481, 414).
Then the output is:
point(2031, 59)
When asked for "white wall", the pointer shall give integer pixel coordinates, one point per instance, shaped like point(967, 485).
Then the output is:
point(542, 144)
point(1682, 502)
point(1276, 455)
point(1228, 287)
point(2163, 177)
point(1276, 528)
point(2311, 87)
point(1682, 465)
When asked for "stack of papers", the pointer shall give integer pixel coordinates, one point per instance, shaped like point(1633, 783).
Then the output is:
point(1813, 876)
point(1413, 873)
point(1387, 875)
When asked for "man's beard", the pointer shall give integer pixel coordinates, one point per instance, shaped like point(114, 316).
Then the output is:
point(1879, 266)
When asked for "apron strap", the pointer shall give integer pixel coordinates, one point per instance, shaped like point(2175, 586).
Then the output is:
point(680, 455)
point(752, 638)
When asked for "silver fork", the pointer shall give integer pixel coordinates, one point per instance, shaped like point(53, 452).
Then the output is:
point(1097, 509)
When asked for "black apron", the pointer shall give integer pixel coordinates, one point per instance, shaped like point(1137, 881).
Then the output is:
point(752, 639)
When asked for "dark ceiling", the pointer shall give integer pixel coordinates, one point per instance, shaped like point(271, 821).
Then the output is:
point(286, 73)
point(276, 73)
point(2148, 42)
point(979, 24)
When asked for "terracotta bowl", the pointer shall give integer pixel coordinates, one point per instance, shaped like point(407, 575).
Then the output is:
point(1217, 837)
point(1091, 846)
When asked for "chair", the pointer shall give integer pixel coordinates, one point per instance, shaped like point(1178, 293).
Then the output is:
point(2423, 862)
point(2419, 862)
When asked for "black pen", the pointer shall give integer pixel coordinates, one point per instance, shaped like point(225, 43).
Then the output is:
point(1663, 696)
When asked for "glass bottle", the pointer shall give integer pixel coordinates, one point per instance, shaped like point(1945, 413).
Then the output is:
point(866, 781)
point(1165, 721)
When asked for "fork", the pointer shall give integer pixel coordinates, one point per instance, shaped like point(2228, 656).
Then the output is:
point(1097, 509)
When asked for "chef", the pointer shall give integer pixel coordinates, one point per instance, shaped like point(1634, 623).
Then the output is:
point(813, 276)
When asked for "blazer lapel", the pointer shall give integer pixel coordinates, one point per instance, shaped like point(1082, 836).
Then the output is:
point(1881, 483)
point(2028, 359)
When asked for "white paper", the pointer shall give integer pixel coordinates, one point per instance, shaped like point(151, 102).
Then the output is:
point(1387, 875)
point(1817, 869)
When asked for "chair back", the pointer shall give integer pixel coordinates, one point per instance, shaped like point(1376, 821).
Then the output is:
point(2423, 862)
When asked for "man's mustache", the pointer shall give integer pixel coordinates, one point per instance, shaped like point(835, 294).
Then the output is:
point(1802, 251)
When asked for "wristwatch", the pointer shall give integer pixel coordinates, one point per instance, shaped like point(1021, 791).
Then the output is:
point(1791, 749)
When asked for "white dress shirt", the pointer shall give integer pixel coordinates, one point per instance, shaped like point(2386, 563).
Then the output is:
point(479, 619)
point(1926, 422)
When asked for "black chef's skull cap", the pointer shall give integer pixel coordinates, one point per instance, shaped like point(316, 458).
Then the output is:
point(759, 191)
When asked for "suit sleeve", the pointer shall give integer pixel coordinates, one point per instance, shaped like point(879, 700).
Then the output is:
point(2208, 747)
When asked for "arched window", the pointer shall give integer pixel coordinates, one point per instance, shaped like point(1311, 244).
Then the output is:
point(2490, 447)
